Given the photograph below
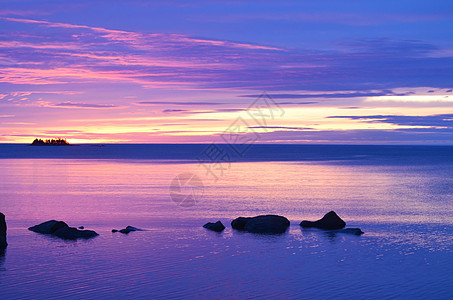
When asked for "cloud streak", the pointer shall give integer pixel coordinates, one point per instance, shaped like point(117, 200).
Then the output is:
point(82, 105)
point(353, 94)
point(434, 121)
point(180, 103)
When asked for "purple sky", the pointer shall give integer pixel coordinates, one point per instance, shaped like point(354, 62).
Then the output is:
point(176, 71)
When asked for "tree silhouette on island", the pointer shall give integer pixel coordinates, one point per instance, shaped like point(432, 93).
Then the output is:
point(50, 142)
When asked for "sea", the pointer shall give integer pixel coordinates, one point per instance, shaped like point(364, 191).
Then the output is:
point(401, 197)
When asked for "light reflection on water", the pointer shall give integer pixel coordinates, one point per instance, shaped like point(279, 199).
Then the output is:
point(404, 211)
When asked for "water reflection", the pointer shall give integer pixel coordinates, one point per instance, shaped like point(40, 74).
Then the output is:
point(332, 236)
point(270, 237)
point(81, 191)
point(2, 258)
point(177, 257)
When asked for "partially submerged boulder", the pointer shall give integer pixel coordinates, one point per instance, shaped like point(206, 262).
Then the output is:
point(127, 229)
point(48, 227)
point(72, 233)
point(3, 242)
point(268, 224)
point(217, 226)
point(330, 221)
point(62, 230)
point(239, 223)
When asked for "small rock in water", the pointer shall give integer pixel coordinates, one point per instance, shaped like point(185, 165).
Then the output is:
point(217, 226)
point(330, 221)
point(81, 227)
point(127, 229)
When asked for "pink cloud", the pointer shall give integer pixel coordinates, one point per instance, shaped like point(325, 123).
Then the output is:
point(133, 60)
point(46, 46)
point(67, 75)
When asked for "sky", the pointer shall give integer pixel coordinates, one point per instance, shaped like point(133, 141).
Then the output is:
point(336, 72)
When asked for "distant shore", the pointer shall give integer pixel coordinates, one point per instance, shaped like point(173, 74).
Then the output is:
point(50, 142)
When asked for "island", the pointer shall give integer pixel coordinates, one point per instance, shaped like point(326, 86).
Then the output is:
point(51, 142)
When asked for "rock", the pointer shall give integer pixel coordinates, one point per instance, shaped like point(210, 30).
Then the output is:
point(239, 223)
point(127, 229)
point(62, 230)
point(3, 242)
point(81, 227)
point(271, 224)
point(57, 226)
point(356, 231)
point(330, 221)
point(217, 226)
point(267, 224)
point(132, 228)
point(48, 227)
point(72, 233)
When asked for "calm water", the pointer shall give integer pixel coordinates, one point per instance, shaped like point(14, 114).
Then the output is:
point(401, 197)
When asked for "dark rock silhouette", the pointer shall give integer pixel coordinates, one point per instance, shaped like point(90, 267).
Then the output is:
point(330, 221)
point(3, 242)
point(51, 142)
point(269, 224)
point(127, 229)
point(62, 230)
point(217, 226)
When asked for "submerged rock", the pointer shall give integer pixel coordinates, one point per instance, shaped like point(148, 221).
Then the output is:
point(3, 242)
point(270, 224)
point(62, 230)
point(330, 221)
point(356, 231)
point(127, 229)
point(217, 226)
